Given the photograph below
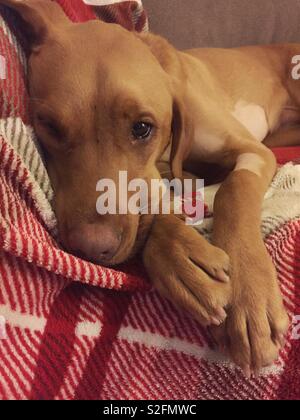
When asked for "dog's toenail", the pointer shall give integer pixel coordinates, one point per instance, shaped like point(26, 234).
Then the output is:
point(223, 276)
point(216, 321)
point(221, 314)
point(247, 372)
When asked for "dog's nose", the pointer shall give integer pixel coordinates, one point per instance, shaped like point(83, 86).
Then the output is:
point(96, 243)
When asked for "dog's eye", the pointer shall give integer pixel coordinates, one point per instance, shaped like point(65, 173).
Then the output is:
point(142, 130)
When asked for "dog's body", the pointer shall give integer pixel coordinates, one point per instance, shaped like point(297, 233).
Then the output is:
point(222, 107)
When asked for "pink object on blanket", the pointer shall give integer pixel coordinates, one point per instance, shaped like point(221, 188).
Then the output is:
point(73, 330)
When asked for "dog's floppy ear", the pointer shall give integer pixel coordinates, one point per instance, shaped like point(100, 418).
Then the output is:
point(169, 59)
point(180, 139)
point(40, 18)
point(164, 52)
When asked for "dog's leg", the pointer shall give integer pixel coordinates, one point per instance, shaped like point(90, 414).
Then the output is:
point(285, 137)
point(188, 270)
point(254, 330)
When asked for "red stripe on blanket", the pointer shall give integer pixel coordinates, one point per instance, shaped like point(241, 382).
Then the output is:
point(59, 336)
point(114, 310)
point(76, 10)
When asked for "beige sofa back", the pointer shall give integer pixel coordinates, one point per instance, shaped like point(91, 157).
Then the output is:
point(225, 23)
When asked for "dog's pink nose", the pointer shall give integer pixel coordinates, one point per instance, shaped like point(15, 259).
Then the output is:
point(97, 243)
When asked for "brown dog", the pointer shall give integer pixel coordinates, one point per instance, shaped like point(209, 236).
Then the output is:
point(106, 100)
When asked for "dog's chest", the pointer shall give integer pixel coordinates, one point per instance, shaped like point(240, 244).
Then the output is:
point(206, 144)
point(253, 117)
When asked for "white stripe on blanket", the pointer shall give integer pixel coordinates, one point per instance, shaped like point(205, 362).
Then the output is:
point(23, 140)
point(93, 330)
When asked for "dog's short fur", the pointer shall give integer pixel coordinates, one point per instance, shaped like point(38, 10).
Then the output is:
point(89, 83)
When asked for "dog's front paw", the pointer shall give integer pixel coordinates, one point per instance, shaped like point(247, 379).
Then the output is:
point(187, 270)
point(257, 322)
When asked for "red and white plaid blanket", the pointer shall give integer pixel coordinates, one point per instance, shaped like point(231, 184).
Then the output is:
point(73, 330)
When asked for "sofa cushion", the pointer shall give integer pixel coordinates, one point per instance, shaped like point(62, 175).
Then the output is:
point(225, 23)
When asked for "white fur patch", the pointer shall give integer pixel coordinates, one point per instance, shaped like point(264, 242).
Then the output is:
point(250, 162)
point(206, 144)
point(253, 117)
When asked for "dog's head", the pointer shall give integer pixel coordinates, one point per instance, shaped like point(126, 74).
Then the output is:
point(102, 102)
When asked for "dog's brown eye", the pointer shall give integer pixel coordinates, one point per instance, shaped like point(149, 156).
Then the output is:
point(142, 130)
